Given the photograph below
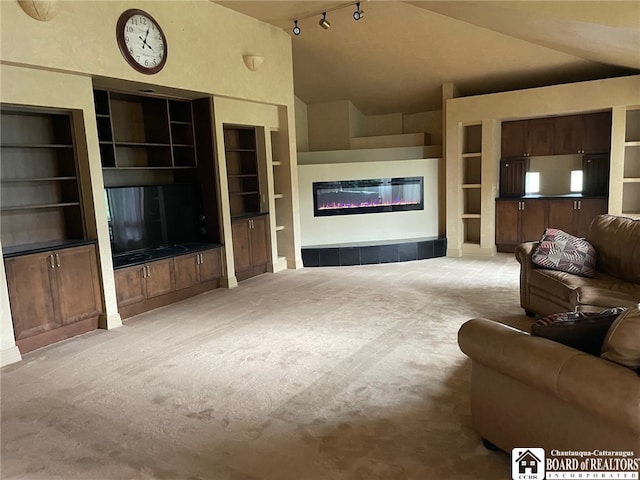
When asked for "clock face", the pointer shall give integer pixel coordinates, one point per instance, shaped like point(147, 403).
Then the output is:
point(141, 41)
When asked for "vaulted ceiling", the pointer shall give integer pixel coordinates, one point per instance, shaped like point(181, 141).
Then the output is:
point(396, 58)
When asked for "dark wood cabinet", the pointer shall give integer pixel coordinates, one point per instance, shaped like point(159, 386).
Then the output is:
point(519, 221)
point(53, 295)
point(540, 135)
point(568, 135)
point(574, 216)
point(512, 177)
point(596, 131)
point(156, 283)
point(595, 175)
point(250, 246)
point(195, 268)
point(565, 135)
point(514, 139)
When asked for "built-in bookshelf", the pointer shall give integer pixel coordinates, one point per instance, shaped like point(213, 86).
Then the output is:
point(39, 194)
point(631, 169)
point(471, 160)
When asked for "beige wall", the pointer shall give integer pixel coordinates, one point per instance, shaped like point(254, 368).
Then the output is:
point(53, 63)
point(428, 122)
point(329, 125)
point(302, 125)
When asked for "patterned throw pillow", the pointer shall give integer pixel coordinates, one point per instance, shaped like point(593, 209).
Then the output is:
point(560, 251)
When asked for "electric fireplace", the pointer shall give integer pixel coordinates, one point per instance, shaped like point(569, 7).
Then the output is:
point(352, 197)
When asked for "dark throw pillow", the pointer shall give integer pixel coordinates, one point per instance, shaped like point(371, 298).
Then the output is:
point(583, 331)
point(558, 250)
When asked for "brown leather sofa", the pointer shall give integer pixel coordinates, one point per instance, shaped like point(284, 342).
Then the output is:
point(616, 283)
point(528, 391)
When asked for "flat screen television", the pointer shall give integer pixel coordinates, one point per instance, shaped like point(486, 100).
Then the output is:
point(152, 216)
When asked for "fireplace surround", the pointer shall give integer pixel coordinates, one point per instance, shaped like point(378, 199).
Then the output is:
point(353, 197)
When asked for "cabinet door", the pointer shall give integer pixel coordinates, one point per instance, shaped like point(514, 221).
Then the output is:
point(595, 177)
point(241, 245)
point(588, 209)
point(79, 295)
point(186, 271)
point(561, 215)
point(29, 280)
point(514, 139)
point(568, 135)
point(540, 136)
point(507, 216)
point(130, 285)
point(210, 265)
point(597, 133)
point(259, 241)
point(512, 177)
point(533, 220)
point(160, 278)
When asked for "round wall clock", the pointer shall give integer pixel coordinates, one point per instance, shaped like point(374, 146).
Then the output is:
point(141, 41)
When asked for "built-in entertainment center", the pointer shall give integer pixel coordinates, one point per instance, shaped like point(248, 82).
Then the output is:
point(554, 172)
point(162, 208)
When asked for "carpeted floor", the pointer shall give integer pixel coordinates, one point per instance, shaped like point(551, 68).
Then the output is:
point(321, 373)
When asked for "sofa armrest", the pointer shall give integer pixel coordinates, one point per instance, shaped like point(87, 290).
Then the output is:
point(596, 298)
point(598, 386)
point(523, 254)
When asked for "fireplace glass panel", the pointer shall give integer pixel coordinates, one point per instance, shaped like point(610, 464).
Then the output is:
point(352, 197)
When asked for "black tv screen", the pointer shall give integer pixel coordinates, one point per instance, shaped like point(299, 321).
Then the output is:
point(145, 217)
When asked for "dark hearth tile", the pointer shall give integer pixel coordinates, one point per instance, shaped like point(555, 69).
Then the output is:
point(329, 257)
point(388, 253)
point(350, 256)
point(407, 251)
point(440, 247)
point(310, 257)
point(370, 255)
point(425, 250)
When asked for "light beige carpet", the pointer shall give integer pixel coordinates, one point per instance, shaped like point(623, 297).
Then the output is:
point(321, 373)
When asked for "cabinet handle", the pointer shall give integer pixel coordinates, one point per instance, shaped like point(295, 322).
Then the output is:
point(148, 271)
point(57, 260)
point(199, 259)
point(51, 264)
point(251, 223)
point(579, 204)
point(144, 271)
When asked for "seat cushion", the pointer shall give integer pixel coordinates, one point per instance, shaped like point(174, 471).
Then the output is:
point(602, 290)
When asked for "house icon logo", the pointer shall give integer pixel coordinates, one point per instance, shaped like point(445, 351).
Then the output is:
point(527, 464)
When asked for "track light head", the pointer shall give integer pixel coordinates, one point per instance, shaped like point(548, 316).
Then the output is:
point(324, 23)
point(296, 28)
point(358, 14)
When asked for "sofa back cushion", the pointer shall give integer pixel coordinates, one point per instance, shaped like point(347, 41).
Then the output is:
point(617, 244)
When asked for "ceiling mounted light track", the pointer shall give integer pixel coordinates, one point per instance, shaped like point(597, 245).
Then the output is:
point(324, 23)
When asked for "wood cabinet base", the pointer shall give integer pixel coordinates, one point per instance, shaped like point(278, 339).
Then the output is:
point(127, 311)
point(61, 333)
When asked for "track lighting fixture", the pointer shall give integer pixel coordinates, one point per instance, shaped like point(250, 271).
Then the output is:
point(324, 23)
point(358, 14)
